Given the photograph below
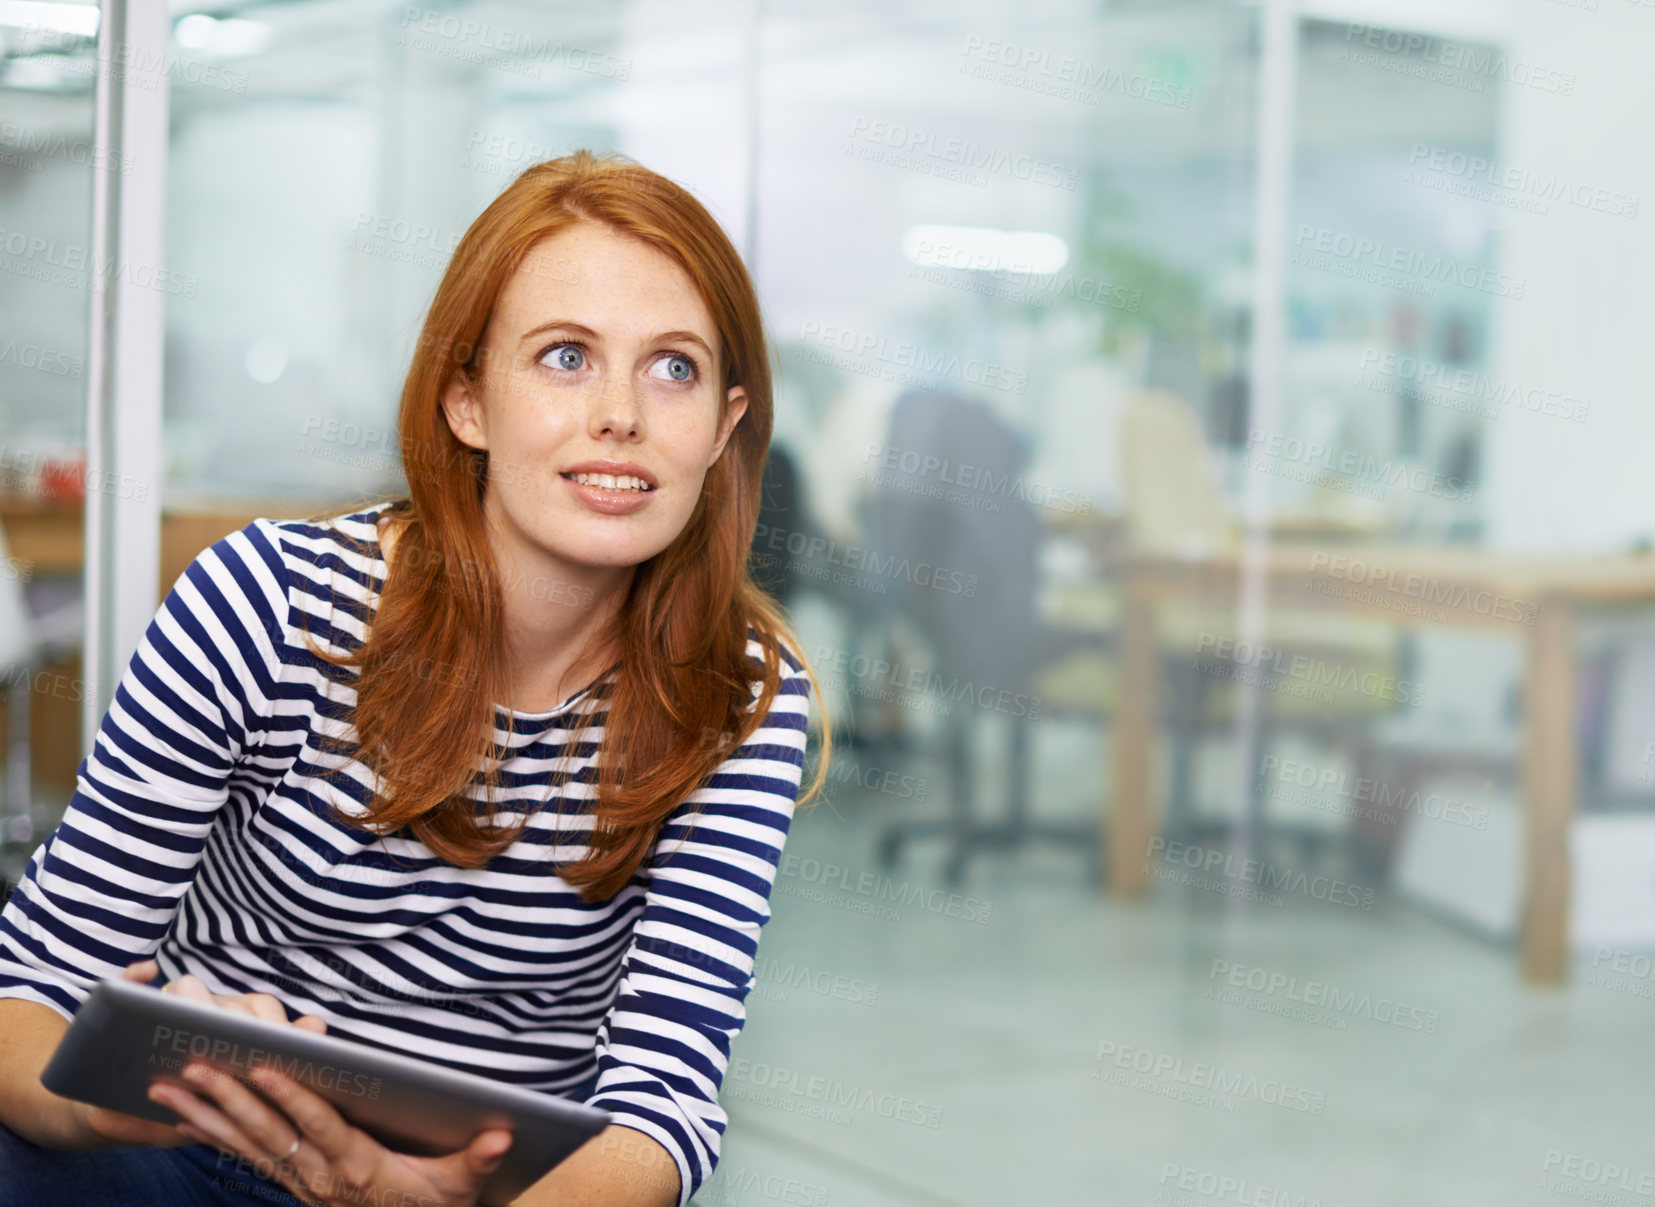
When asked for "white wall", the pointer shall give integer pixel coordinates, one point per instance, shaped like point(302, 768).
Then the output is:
point(1584, 326)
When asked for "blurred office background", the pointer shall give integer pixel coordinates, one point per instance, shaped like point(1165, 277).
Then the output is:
point(1210, 476)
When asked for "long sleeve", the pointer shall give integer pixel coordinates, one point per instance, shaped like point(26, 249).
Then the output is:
point(665, 1045)
point(103, 888)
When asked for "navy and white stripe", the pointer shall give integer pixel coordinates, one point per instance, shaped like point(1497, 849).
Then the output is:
point(198, 834)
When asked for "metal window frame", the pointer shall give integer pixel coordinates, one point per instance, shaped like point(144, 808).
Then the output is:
point(124, 348)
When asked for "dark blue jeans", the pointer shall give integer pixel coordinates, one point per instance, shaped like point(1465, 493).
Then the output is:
point(193, 1175)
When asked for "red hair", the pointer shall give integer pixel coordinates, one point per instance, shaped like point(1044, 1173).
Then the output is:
point(682, 699)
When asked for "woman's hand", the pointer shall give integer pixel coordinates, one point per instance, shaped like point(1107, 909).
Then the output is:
point(116, 1127)
point(305, 1144)
point(333, 1163)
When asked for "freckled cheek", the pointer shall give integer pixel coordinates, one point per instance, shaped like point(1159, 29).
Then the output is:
point(688, 441)
point(534, 433)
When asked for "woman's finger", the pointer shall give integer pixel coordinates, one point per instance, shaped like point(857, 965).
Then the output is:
point(345, 1157)
point(262, 1005)
point(268, 1128)
point(463, 1172)
point(191, 986)
point(484, 1154)
point(220, 1129)
point(320, 1121)
point(259, 1005)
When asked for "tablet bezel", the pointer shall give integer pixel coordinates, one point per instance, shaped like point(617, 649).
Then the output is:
point(405, 1103)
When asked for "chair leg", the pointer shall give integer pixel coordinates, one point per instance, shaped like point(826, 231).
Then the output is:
point(959, 780)
point(966, 834)
point(1017, 830)
point(957, 769)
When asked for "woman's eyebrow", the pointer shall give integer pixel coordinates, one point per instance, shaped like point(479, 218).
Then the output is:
point(586, 332)
point(558, 325)
point(686, 337)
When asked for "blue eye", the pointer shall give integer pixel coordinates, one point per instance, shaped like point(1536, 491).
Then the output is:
point(567, 356)
point(679, 367)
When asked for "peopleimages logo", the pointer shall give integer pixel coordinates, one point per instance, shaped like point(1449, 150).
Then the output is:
point(830, 1093)
point(938, 260)
point(1627, 972)
point(792, 975)
point(42, 683)
point(879, 779)
point(1595, 1173)
point(912, 146)
point(1221, 1085)
point(1389, 804)
point(1211, 860)
point(728, 1186)
point(74, 266)
point(52, 145)
point(1313, 672)
point(1379, 256)
point(861, 562)
point(1063, 75)
point(1468, 58)
point(904, 361)
point(1207, 1184)
point(134, 64)
point(829, 875)
point(38, 356)
point(467, 39)
point(929, 682)
point(176, 1047)
point(962, 482)
point(1322, 996)
point(1484, 179)
point(1267, 452)
point(1426, 588)
point(1385, 369)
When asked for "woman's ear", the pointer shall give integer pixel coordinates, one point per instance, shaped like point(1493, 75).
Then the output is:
point(464, 411)
point(735, 406)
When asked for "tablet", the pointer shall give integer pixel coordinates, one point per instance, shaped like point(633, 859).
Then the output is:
point(127, 1035)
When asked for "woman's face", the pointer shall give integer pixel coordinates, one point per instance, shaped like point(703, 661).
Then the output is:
point(599, 350)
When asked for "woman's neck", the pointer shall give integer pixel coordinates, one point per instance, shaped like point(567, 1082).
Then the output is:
point(551, 611)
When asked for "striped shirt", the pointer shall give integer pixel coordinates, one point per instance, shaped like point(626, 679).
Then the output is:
point(198, 834)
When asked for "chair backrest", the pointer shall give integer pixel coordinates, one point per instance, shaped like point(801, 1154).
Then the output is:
point(1173, 501)
point(781, 511)
point(955, 510)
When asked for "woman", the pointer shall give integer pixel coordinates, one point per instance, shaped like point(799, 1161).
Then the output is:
point(497, 774)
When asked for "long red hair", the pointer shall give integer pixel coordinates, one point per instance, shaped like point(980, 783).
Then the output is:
point(682, 695)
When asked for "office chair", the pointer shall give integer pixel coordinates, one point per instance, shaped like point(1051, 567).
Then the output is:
point(781, 510)
point(990, 641)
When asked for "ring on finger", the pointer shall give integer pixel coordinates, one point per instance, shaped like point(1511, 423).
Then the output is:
point(292, 1150)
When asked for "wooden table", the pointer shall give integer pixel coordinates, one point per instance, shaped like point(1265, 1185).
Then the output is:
point(1546, 592)
point(47, 536)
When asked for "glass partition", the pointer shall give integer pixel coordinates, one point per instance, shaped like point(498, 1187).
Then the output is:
point(1165, 858)
point(48, 158)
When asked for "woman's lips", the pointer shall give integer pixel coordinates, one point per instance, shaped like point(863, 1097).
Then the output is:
point(609, 502)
